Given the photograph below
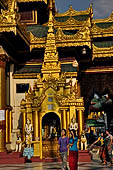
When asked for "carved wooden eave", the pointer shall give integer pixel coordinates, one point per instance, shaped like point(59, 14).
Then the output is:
point(32, 1)
point(9, 23)
point(70, 100)
point(34, 75)
point(81, 38)
point(101, 32)
point(101, 52)
point(25, 76)
point(72, 12)
point(69, 24)
point(98, 70)
point(36, 42)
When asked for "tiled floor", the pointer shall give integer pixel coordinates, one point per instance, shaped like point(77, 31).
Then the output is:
point(94, 165)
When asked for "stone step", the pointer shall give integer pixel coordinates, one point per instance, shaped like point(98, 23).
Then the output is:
point(12, 161)
point(11, 158)
point(10, 155)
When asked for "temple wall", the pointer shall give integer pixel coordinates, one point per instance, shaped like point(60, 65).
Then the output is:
point(17, 99)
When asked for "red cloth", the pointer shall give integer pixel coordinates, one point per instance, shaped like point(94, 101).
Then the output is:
point(73, 160)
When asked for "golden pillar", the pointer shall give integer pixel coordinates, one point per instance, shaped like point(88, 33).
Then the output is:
point(64, 119)
point(36, 134)
point(68, 119)
point(40, 138)
point(23, 125)
point(36, 129)
point(80, 121)
point(68, 122)
point(10, 125)
point(7, 125)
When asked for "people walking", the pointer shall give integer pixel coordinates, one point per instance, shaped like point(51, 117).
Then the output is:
point(108, 141)
point(102, 149)
point(73, 151)
point(63, 145)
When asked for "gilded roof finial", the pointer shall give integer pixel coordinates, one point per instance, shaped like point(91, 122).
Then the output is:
point(50, 23)
point(12, 5)
point(91, 10)
point(51, 55)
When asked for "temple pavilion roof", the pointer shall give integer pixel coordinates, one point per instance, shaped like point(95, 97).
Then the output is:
point(38, 30)
point(104, 44)
point(71, 28)
point(78, 18)
point(104, 25)
point(68, 67)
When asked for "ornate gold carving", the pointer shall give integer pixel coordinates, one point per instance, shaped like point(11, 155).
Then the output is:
point(70, 100)
point(71, 23)
point(101, 32)
point(102, 52)
point(82, 37)
point(9, 21)
point(9, 16)
point(32, 1)
point(36, 42)
point(51, 63)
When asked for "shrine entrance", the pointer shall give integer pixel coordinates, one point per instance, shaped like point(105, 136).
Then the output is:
point(51, 130)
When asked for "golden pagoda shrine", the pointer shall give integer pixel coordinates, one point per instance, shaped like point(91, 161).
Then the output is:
point(51, 66)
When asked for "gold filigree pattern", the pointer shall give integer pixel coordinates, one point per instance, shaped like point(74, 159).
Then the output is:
point(36, 42)
point(102, 52)
point(32, 1)
point(101, 32)
point(71, 23)
point(82, 37)
point(70, 100)
point(51, 63)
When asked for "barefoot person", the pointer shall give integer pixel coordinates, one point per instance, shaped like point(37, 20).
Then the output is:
point(73, 151)
point(102, 150)
point(63, 145)
point(108, 141)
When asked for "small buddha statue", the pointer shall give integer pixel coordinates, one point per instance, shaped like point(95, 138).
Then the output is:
point(18, 143)
point(83, 141)
point(29, 131)
point(74, 125)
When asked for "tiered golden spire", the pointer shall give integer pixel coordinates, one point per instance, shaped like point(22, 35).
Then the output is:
point(12, 5)
point(51, 65)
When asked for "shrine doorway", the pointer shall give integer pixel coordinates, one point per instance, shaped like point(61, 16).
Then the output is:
point(51, 131)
